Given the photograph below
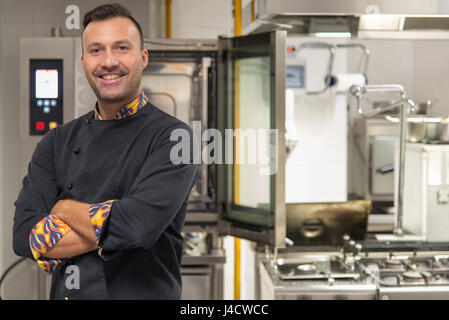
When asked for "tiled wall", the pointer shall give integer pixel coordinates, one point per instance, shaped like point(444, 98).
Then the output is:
point(202, 18)
point(205, 19)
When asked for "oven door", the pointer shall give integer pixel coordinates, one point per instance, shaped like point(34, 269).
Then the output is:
point(251, 110)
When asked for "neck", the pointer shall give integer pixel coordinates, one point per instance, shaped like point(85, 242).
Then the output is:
point(108, 110)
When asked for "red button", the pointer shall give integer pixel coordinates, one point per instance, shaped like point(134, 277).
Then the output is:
point(40, 125)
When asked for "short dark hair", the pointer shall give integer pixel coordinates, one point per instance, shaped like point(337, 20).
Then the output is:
point(109, 11)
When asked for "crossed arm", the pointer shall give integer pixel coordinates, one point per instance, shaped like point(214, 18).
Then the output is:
point(81, 238)
point(136, 220)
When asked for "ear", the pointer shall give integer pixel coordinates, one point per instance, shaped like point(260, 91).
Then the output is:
point(144, 58)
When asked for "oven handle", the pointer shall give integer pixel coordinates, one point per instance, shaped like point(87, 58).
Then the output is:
point(385, 169)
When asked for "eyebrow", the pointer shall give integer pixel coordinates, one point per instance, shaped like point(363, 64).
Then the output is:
point(124, 41)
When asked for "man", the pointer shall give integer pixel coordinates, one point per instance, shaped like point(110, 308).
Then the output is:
point(102, 196)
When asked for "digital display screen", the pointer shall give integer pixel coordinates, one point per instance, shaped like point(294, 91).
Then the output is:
point(295, 77)
point(46, 83)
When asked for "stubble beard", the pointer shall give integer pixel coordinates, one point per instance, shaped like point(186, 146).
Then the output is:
point(127, 93)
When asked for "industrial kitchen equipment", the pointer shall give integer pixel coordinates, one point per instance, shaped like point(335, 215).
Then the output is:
point(361, 270)
point(427, 129)
point(374, 19)
point(374, 141)
point(426, 191)
point(403, 104)
point(326, 223)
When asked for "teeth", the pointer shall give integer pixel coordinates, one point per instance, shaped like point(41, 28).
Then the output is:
point(110, 76)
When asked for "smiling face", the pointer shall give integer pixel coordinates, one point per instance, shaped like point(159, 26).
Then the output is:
point(113, 59)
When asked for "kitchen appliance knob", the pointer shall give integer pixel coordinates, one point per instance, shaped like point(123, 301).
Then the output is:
point(357, 249)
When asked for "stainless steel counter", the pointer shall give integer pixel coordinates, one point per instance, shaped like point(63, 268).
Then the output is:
point(202, 276)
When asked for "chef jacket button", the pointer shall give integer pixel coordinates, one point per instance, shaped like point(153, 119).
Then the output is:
point(76, 150)
point(69, 187)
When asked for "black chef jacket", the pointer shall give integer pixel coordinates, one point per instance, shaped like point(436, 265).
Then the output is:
point(129, 160)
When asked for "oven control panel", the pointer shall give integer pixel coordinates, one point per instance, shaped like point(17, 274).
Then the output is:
point(46, 95)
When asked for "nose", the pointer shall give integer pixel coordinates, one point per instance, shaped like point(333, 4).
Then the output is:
point(109, 60)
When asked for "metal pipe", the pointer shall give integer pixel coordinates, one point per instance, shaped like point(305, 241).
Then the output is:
point(356, 89)
point(275, 24)
point(403, 123)
point(358, 92)
point(253, 10)
point(237, 241)
point(237, 18)
point(168, 5)
point(332, 49)
point(364, 61)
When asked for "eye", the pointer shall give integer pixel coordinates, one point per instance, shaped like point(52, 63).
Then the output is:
point(95, 51)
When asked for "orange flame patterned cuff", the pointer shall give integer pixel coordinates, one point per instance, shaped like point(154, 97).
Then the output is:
point(98, 213)
point(50, 265)
point(44, 235)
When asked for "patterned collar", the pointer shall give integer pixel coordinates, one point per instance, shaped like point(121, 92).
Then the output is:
point(128, 110)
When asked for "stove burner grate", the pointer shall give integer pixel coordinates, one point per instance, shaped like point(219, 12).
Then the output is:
point(413, 277)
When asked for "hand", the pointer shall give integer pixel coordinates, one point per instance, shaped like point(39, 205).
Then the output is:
point(59, 208)
point(76, 215)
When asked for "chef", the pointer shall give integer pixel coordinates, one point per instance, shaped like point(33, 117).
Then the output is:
point(102, 201)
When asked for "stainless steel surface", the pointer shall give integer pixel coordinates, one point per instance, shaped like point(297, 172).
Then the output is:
point(279, 177)
point(186, 45)
point(196, 283)
point(179, 86)
point(378, 19)
point(207, 259)
point(326, 223)
point(306, 267)
point(202, 276)
point(202, 264)
point(358, 92)
point(201, 218)
point(424, 108)
point(38, 48)
point(376, 275)
point(181, 80)
point(426, 191)
point(275, 233)
point(426, 128)
point(329, 281)
point(400, 197)
point(181, 76)
point(373, 146)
